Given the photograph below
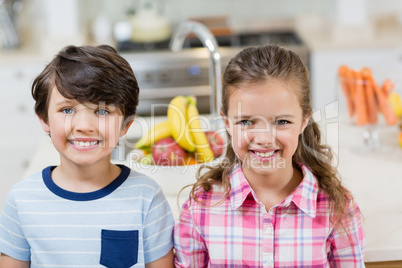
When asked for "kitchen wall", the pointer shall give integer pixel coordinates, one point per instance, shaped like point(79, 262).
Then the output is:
point(38, 21)
point(243, 10)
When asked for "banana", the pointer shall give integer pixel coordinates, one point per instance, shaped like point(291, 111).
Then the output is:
point(155, 133)
point(396, 103)
point(203, 150)
point(177, 117)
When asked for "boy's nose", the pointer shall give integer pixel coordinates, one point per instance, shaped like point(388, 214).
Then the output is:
point(84, 121)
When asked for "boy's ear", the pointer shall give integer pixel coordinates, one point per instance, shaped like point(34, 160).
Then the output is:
point(44, 125)
point(126, 126)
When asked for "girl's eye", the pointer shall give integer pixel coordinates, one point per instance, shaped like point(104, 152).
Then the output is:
point(68, 111)
point(245, 122)
point(102, 112)
point(282, 122)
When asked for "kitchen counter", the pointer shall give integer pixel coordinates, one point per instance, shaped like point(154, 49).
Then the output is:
point(318, 34)
point(374, 177)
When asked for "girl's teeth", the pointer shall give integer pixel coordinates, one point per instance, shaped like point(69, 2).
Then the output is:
point(264, 154)
point(85, 143)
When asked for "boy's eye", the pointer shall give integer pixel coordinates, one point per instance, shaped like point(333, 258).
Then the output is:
point(68, 110)
point(245, 122)
point(102, 112)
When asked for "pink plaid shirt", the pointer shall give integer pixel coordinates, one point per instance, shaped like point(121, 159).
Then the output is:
point(240, 233)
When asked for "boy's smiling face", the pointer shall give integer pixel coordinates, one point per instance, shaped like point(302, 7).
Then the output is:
point(83, 133)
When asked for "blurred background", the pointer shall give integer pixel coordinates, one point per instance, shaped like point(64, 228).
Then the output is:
point(326, 33)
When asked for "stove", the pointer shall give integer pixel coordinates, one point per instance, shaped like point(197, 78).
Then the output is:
point(163, 74)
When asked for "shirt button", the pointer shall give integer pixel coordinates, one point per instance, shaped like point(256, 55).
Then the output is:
point(268, 262)
point(269, 230)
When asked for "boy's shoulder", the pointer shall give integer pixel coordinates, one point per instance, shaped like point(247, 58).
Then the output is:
point(33, 180)
point(139, 179)
point(135, 178)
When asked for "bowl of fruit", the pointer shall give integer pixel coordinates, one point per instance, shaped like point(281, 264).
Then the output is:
point(172, 150)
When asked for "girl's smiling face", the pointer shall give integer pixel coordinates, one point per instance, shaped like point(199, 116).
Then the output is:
point(264, 121)
point(83, 133)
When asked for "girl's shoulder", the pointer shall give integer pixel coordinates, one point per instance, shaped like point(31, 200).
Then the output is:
point(205, 199)
point(215, 191)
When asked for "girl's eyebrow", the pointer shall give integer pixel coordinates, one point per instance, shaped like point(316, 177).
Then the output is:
point(285, 116)
point(236, 117)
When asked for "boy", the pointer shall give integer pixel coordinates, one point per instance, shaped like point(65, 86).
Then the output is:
point(86, 212)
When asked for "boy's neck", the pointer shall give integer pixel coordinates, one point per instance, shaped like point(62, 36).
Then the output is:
point(84, 179)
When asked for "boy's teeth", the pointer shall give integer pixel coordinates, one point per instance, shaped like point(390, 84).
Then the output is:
point(264, 154)
point(85, 143)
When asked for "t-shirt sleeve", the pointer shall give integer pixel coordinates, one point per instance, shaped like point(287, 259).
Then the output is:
point(12, 240)
point(158, 228)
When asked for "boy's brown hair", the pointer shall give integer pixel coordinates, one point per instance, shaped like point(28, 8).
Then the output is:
point(95, 74)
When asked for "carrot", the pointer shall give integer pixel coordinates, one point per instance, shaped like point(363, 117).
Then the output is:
point(344, 75)
point(385, 107)
point(351, 78)
point(388, 86)
point(372, 106)
point(360, 100)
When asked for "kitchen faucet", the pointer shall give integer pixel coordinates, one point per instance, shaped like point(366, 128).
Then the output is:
point(208, 40)
point(9, 37)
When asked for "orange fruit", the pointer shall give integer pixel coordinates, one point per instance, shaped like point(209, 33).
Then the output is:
point(190, 160)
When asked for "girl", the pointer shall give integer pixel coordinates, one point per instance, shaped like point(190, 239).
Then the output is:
point(275, 200)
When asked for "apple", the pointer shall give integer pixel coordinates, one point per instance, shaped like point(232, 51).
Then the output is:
point(166, 152)
point(400, 139)
point(216, 142)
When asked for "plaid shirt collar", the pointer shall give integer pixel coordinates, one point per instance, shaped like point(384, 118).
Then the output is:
point(304, 196)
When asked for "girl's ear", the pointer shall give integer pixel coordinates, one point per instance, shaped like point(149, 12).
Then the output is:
point(226, 121)
point(125, 127)
point(305, 123)
point(45, 126)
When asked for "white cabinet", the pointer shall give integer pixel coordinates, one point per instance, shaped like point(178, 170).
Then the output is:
point(384, 63)
point(20, 132)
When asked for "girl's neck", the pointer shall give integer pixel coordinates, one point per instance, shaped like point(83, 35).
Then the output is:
point(273, 188)
point(83, 179)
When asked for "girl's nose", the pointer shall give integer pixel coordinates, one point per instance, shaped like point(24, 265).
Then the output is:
point(264, 135)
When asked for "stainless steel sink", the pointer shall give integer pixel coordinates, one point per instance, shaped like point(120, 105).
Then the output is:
point(163, 75)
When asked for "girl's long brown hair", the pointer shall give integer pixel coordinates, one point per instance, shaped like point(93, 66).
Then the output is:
point(260, 64)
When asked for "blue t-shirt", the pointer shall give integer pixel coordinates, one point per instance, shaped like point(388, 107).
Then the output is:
point(126, 224)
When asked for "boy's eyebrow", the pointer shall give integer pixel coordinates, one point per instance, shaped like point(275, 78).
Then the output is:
point(242, 116)
point(63, 101)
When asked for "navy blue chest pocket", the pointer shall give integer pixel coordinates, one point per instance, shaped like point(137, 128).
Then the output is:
point(119, 248)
